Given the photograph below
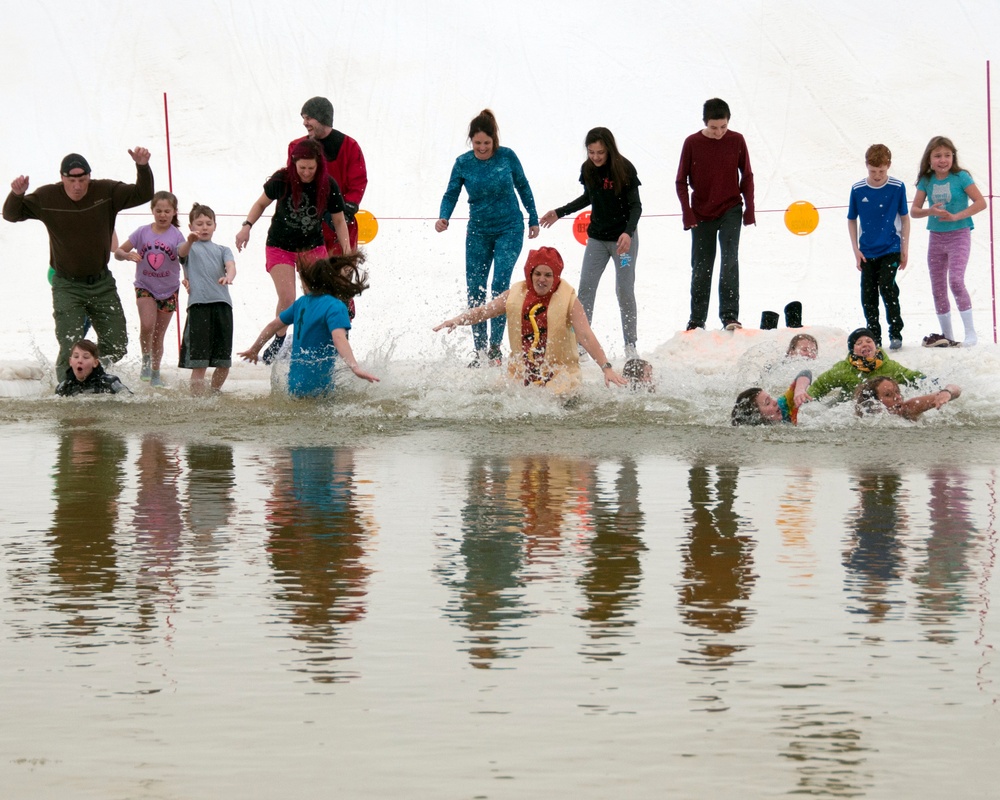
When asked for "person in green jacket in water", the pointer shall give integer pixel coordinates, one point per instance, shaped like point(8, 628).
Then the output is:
point(865, 360)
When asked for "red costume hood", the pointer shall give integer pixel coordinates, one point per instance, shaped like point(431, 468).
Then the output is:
point(548, 256)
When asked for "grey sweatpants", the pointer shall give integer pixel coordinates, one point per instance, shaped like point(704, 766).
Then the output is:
point(595, 259)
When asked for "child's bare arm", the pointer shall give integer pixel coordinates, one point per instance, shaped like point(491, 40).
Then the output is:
point(126, 253)
point(344, 348)
point(977, 205)
point(255, 213)
point(185, 248)
point(250, 354)
point(340, 228)
point(230, 275)
point(852, 229)
point(917, 210)
point(904, 242)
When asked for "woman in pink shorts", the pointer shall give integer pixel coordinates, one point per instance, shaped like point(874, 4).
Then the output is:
point(306, 197)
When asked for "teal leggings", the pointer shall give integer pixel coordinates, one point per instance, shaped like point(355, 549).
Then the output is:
point(481, 250)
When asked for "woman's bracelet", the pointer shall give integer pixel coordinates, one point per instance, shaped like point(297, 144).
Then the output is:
point(950, 395)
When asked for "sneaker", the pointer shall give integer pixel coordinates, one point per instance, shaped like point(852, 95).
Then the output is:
point(693, 326)
point(156, 380)
point(895, 344)
point(732, 325)
point(147, 369)
point(938, 340)
point(631, 351)
point(271, 352)
point(480, 359)
point(494, 356)
point(970, 341)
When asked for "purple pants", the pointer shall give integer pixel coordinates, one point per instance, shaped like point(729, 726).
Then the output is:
point(947, 258)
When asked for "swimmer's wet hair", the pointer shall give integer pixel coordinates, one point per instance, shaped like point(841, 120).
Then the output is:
point(634, 369)
point(340, 276)
point(87, 346)
point(866, 400)
point(745, 410)
point(800, 337)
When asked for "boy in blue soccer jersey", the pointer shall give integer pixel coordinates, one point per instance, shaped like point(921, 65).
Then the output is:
point(879, 202)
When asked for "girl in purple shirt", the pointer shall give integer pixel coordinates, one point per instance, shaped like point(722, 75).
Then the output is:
point(153, 248)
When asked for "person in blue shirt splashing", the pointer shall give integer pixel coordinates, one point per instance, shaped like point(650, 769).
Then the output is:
point(320, 322)
point(490, 174)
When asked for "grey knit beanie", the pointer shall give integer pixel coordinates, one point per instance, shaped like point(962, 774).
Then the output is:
point(320, 109)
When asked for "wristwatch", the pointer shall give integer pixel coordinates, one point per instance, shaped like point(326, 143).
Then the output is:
point(606, 365)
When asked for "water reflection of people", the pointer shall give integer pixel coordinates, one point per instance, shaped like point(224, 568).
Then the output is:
point(718, 574)
point(945, 572)
point(319, 532)
point(209, 506)
point(795, 521)
point(157, 522)
point(874, 559)
point(210, 483)
point(610, 582)
point(492, 551)
point(515, 527)
point(827, 749)
point(88, 478)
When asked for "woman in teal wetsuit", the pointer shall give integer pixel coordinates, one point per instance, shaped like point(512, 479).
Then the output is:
point(493, 178)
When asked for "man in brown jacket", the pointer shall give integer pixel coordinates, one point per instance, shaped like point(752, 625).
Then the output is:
point(79, 214)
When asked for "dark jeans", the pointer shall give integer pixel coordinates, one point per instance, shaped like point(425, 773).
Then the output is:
point(703, 236)
point(878, 276)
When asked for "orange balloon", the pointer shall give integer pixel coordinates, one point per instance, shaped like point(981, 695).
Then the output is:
point(801, 218)
point(580, 227)
point(367, 226)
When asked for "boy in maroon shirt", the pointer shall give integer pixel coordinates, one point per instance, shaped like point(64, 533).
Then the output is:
point(715, 165)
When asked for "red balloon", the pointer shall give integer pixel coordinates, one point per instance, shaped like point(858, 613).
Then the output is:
point(580, 225)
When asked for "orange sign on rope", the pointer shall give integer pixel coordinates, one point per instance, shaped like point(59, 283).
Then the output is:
point(580, 225)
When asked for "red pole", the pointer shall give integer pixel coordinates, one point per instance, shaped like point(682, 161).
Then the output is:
point(989, 161)
point(166, 123)
point(170, 184)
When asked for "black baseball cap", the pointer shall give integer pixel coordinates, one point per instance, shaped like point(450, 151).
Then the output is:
point(74, 161)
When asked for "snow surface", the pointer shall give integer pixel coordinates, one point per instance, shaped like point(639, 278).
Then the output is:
point(811, 86)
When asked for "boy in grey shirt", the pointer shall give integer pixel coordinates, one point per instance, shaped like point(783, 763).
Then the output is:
point(209, 269)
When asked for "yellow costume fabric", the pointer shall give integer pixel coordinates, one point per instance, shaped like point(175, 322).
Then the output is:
point(561, 355)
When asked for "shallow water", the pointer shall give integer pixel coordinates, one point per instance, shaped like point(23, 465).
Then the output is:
point(245, 597)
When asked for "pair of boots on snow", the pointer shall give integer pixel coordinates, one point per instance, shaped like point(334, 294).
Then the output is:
point(793, 317)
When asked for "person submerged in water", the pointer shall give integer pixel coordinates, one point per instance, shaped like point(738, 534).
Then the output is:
point(803, 345)
point(882, 393)
point(754, 406)
point(85, 375)
point(639, 374)
point(545, 323)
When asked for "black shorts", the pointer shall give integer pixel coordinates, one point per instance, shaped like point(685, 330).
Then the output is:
point(208, 336)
